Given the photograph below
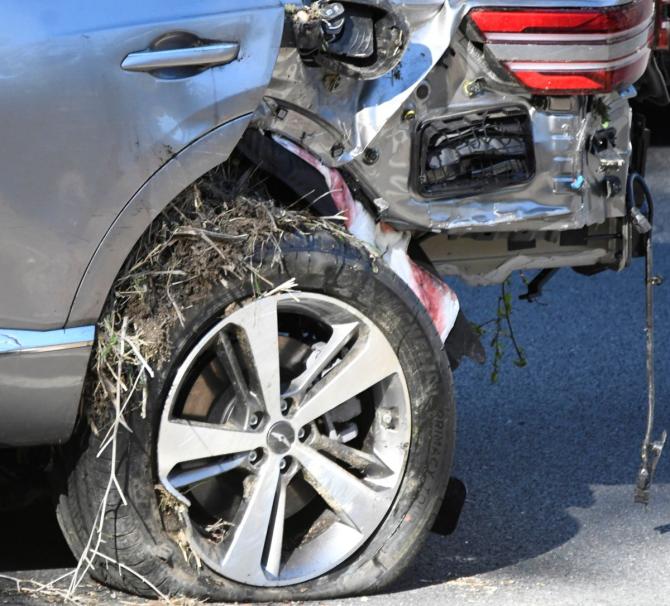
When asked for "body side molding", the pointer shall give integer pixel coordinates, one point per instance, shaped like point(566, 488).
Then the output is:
point(37, 341)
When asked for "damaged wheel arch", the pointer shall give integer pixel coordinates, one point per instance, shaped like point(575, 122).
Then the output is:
point(309, 186)
point(341, 269)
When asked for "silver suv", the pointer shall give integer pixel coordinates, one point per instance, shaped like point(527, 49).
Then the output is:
point(225, 228)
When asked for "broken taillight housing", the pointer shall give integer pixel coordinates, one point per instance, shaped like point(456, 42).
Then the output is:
point(662, 34)
point(561, 51)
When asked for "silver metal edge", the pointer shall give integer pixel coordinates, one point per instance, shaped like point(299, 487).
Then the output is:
point(34, 341)
point(551, 66)
point(570, 52)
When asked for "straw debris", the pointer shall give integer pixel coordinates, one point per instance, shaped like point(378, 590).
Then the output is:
point(219, 229)
point(215, 231)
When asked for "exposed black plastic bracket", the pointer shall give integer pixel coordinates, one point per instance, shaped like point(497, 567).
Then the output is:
point(536, 285)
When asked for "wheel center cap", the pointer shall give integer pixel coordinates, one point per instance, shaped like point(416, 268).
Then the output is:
point(281, 437)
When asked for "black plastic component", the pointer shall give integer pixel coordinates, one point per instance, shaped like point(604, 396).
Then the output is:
point(463, 341)
point(652, 86)
point(357, 38)
point(309, 38)
point(611, 186)
point(304, 180)
point(521, 241)
point(479, 151)
point(591, 270)
point(602, 139)
point(574, 237)
point(537, 284)
point(640, 138)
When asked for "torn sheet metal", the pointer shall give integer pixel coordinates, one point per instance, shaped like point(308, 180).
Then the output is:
point(390, 244)
point(359, 109)
point(564, 193)
point(339, 118)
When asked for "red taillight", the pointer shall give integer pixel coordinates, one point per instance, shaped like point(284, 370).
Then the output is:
point(661, 35)
point(561, 21)
point(579, 77)
point(567, 50)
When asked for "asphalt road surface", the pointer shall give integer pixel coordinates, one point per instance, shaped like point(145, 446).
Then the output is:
point(549, 455)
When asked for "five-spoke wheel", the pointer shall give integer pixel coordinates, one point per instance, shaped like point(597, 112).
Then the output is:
point(285, 432)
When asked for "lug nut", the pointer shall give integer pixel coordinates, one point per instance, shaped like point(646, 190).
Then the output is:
point(253, 457)
point(301, 433)
point(254, 420)
point(387, 420)
point(283, 406)
point(283, 465)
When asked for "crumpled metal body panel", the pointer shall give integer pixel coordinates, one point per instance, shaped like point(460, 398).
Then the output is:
point(547, 203)
point(339, 118)
point(355, 111)
point(518, 262)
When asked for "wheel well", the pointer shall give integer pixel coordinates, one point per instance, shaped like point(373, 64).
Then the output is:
point(286, 177)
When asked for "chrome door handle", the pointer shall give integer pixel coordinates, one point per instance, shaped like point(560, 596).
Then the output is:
point(196, 56)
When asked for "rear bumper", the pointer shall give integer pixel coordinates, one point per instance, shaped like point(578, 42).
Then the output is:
point(41, 379)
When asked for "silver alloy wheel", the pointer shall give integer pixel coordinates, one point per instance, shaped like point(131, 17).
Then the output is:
point(304, 453)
